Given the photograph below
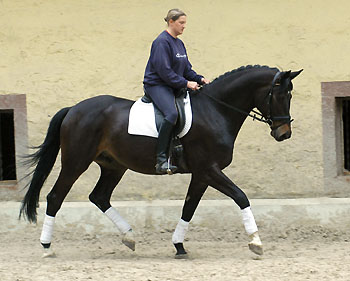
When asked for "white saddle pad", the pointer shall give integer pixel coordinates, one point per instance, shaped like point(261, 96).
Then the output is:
point(142, 120)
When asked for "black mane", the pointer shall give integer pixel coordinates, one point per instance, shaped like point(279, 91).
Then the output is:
point(240, 69)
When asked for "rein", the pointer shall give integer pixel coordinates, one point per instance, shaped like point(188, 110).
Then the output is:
point(261, 118)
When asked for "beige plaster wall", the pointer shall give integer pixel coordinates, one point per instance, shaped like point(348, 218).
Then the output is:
point(60, 52)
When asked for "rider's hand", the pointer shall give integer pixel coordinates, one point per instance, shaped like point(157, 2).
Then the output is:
point(205, 81)
point(192, 85)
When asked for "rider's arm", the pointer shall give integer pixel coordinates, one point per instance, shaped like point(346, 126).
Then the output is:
point(191, 75)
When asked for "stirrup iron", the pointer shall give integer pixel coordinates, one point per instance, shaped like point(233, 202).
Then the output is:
point(169, 171)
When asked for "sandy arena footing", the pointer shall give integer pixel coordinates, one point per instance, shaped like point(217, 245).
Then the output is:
point(304, 239)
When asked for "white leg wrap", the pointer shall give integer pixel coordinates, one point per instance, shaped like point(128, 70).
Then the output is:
point(249, 221)
point(46, 233)
point(118, 220)
point(180, 231)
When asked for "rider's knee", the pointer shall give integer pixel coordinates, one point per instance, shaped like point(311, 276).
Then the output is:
point(172, 117)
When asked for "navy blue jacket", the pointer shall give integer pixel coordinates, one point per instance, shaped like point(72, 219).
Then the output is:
point(168, 64)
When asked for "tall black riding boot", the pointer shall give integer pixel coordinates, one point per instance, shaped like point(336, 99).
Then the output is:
point(162, 166)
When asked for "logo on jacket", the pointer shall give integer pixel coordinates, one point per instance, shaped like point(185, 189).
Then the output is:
point(180, 56)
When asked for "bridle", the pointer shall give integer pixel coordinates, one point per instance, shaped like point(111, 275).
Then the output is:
point(269, 119)
point(257, 115)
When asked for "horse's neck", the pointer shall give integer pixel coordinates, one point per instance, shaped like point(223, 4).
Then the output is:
point(239, 94)
point(239, 100)
point(217, 117)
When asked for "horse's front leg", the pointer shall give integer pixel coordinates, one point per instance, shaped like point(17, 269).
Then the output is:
point(218, 180)
point(194, 195)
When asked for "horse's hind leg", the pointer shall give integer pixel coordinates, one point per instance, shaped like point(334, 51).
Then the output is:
point(68, 175)
point(101, 196)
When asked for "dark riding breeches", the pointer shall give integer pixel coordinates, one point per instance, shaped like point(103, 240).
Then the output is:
point(163, 97)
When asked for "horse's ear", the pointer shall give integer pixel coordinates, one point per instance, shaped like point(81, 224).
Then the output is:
point(285, 74)
point(295, 74)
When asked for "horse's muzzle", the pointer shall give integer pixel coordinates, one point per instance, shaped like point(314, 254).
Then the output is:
point(282, 132)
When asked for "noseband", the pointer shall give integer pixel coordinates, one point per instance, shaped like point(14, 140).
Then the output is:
point(257, 115)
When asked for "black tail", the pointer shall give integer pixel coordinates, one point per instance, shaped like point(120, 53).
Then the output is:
point(45, 158)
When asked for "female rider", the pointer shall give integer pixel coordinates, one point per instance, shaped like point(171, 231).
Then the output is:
point(169, 69)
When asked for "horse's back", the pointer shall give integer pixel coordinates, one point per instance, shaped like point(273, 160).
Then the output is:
point(96, 107)
point(99, 103)
point(94, 117)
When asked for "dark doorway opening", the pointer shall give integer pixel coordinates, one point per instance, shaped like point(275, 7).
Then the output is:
point(346, 132)
point(7, 146)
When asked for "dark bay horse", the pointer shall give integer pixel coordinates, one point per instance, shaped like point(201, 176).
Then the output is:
point(96, 130)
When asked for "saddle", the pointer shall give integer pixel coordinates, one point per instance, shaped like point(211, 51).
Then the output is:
point(180, 106)
point(176, 152)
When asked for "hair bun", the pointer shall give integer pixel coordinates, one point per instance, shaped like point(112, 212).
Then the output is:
point(174, 14)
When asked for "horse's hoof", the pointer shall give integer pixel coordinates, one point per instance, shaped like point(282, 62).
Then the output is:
point(181, 256)
point(256, 249)
point(48, 253)
point(255, 244)
point(128, 240)
point(180, 251)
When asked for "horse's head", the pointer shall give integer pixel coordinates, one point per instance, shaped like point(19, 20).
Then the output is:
point(275, 106)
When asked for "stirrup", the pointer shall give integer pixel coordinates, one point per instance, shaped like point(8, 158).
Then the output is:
point(165, 168)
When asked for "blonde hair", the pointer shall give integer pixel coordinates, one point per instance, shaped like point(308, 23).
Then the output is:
point(174, 14)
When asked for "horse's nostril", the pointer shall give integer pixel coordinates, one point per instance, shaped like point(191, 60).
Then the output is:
point(285, 136)
point(281, 137)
